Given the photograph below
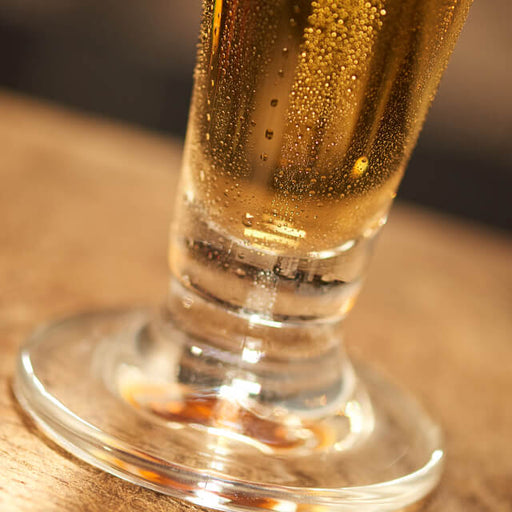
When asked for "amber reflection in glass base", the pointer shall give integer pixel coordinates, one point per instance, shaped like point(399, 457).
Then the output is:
point(91, 383)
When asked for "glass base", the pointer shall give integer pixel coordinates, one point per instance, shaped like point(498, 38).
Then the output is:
point(93, 386)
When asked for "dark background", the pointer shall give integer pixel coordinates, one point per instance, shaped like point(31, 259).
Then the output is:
point(133, 61)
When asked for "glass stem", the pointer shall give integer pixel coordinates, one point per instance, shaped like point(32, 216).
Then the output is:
point(258, 335)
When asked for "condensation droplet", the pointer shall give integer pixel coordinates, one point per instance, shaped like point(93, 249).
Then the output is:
point(360, 167)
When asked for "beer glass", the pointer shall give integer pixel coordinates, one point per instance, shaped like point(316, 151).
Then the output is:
point(238, 394)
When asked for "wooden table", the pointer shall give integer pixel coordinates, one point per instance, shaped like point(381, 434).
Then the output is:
point(84, 210)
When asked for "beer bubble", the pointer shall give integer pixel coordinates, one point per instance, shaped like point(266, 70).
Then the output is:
point(273, 102)
point(247, 219)
point(269, 134)
point(240, 272)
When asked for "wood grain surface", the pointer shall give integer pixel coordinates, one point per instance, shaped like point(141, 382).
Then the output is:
point(84, 211)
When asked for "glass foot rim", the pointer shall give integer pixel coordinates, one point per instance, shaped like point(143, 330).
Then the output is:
point(202, 487)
